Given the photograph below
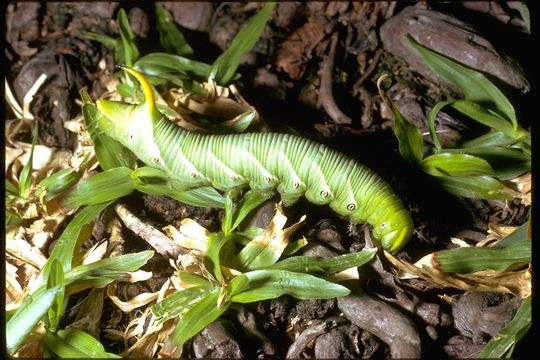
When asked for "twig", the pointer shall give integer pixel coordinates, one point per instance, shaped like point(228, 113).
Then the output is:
point(30, 96)
point(369, 70)
point(161, 243)
point(12, 101)
point(317, 328)
point(326, 98)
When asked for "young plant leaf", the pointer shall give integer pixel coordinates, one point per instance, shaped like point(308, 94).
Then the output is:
point(108, 185)
point(492, 138)
point(58, 182)
point(202, 314)
point(502, 344)
point(224, 68)
point(11, 190)
point(102, 272)
point(454, 164)
point(131, 53)
point(520, 234)
point(328, 266)
point(27, 316)
point(475, 86)
point(488, 117)
point(466, 260)
point(170, 37)
point(65, 245)
point(266, 248)
point(156, 182)
point(179, 302)
point(431, 117)
point(269, 284)
point(250, 201)
point(106, 40)
point(411, 144)
point(226, 223)
point(25, 177)
point(212, 260)
point(236, 125)
point(163, 64)
point(477, 187)
point(55, 279)
point(507, 163)
point(74, 343)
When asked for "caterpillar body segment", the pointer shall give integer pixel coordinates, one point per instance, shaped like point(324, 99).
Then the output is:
point(293, 165)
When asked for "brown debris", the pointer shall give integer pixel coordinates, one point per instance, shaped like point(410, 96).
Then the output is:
point(375, 316)
point(294, 53)
point(479, 313)
point(159, 241)
point(326, 97)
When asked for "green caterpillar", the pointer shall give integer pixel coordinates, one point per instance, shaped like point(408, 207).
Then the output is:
point(293, 165)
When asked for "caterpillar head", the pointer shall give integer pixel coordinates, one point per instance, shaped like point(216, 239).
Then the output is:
point(131, 124)
point(394, 231)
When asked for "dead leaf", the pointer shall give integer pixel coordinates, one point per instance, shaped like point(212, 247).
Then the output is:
point(510, 282)
point(294, 53)
point(133, 303)
point(190, 235)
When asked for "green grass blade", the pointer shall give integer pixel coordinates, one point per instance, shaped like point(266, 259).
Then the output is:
point(59, 182)
point(170, 37)
point(106, 40)
point(56, 278)
point(251, 200)
point(65, 245)
point(471, 259)
point(411, 144)
point(25, 177)
point(11, 189)
point(108, 185)
point(501, 345)
point(477, 187)
point(237, 125)
point(224, 68)
point(163, 64)
point(27, 316)
point(109, 152)
point(102, 272)
point(212, 258)
point(131, 53)
point(431, 117)
point(74, 343)
point(197, 318)
point(227, 221)
point(520, 234)
point(294, 246)
point(269, 284)
point(492, 138)
point(328, 266)
point(157, 182)
point(205, 196)
point(476, 87)
point(487, 117)
point(178, 303)
point(12, 219)
point(454, 164)
point(506, 162)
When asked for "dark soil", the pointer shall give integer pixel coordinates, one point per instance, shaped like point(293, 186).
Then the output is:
point(283, 77)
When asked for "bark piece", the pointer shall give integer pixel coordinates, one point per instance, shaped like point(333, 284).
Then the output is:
point(384, 321)
point(451, 37)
